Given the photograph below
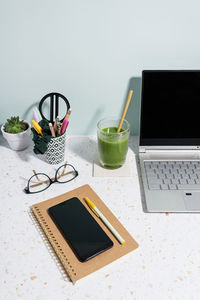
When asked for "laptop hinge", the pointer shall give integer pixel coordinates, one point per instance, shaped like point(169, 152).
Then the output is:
point(171, 149)
point(142, 150)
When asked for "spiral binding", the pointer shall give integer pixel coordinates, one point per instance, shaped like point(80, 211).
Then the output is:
point(57, 248)
point(49, 245)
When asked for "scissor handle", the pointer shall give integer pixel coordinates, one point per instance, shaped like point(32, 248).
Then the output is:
point(54, 97)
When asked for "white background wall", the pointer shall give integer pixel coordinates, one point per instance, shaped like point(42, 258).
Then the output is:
point(92, 52)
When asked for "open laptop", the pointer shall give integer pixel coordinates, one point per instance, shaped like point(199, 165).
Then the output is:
point(169, 142)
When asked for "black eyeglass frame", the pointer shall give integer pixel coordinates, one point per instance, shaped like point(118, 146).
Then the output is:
point(27, 189)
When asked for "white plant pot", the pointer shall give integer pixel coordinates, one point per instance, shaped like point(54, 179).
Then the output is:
point(18, 141)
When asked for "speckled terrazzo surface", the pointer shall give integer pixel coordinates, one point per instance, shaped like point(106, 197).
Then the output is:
point(165, 266)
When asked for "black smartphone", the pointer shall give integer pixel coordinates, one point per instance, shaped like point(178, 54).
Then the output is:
point(83, 234)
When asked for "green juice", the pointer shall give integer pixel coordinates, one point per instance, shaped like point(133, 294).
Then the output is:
point(112, 147)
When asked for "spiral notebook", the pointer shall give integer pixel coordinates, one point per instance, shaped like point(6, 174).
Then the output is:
point(73, 267)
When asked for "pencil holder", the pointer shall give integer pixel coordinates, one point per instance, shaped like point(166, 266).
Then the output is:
point(55, 152)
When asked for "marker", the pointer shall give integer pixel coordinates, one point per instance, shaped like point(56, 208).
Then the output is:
point(37, 127)
point(93, 207)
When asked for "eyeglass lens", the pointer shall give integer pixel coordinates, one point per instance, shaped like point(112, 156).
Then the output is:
point(38, 183)
point(65, 173)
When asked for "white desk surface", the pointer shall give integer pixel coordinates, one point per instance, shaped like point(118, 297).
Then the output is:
point(165, 266)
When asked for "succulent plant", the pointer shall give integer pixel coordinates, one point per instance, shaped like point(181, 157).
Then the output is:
point(14, 125)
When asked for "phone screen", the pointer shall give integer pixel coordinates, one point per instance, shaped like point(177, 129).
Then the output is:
point(83, 234)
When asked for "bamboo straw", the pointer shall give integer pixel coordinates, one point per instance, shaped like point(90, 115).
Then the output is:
point(125, 110)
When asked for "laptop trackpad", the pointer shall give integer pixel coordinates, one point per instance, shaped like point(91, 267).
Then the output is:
point(192, 200)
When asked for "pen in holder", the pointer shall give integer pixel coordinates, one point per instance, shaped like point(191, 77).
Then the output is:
point(55, 152)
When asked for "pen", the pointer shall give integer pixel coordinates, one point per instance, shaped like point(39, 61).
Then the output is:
point(38, 113)
point(93, 207)
point(35, 116)
point(64, 126)
point(58, 125)
point(68, 113)
point(37, 127)
point(52, 130)
point(55, 127)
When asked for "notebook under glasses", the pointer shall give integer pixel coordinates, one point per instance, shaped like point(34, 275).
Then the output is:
point(169, 142)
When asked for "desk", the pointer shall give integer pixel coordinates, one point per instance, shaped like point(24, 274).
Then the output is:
point(165, 266)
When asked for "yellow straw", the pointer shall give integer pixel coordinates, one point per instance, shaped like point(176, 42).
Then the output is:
point(125, 110)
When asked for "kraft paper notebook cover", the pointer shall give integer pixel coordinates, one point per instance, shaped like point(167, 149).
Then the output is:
point(74, 268)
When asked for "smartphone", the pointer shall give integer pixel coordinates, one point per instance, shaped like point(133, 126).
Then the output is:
point(81, 231)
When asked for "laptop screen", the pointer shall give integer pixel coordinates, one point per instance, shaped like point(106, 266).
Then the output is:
point(170, 108)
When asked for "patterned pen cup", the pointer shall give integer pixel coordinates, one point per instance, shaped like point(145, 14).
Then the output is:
point(55, 153)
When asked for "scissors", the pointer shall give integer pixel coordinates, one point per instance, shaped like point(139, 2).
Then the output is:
point(53, 98)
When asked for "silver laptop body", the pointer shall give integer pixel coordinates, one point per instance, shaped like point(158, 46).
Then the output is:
point(169, 142)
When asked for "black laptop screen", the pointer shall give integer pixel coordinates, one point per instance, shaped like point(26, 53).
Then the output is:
point(170, 108)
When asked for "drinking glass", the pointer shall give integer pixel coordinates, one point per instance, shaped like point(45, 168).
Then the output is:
point(112, 146)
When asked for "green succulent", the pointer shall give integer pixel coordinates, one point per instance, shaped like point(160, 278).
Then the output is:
point(14, 125)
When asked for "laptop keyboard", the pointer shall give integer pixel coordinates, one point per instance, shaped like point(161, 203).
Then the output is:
point(172, 175)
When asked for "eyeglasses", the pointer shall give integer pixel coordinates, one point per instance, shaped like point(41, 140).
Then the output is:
point(41, 181)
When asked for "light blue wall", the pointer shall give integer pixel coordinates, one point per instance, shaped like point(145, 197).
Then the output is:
point(92, 52)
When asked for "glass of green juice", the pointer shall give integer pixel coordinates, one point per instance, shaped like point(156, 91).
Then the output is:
point(112, 146)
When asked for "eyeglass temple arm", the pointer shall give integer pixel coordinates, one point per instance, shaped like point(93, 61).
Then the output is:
point(34, 172)
point(64, 170)
point(45, 181)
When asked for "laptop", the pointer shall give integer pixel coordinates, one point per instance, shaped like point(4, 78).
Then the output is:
point(169, 141)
